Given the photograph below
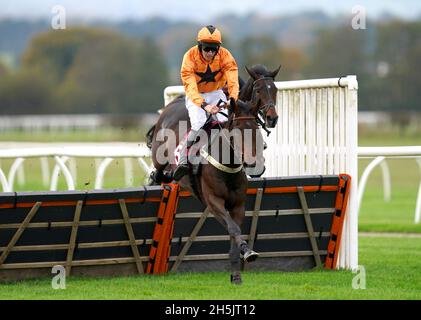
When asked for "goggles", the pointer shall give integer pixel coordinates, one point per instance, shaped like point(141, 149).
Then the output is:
point(213, 49)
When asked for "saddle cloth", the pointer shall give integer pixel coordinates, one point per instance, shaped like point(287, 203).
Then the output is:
point(208, 126)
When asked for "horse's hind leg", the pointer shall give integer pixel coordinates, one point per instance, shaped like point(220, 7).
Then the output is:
point(156, 178)
point(159, 176)
point(149, 136)
point(235, 262)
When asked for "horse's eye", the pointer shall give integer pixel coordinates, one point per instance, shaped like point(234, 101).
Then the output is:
point(257, 91)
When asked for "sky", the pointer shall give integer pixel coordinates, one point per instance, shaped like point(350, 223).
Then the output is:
point(200, 10)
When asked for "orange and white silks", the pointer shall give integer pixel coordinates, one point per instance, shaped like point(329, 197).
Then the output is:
point(199, 76)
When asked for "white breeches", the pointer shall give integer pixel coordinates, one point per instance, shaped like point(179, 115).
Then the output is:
point(198, 116)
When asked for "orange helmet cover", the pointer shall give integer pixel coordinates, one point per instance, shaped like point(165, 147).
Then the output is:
point(209, 34)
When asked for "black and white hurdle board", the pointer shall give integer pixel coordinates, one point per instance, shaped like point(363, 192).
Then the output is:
point(294, 223)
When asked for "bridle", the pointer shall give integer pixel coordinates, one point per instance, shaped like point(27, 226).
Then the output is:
point(263, 109)
point(254, 100)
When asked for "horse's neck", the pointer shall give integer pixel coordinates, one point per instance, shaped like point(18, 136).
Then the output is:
point(246, 91)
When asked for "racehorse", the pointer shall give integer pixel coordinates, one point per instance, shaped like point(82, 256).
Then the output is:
point(260, 89)
point(221, 182)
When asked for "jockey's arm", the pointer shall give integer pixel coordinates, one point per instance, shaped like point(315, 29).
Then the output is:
point(230, 69)
point(189, 81)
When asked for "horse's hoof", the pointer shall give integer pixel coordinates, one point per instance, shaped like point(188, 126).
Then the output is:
point(236, 279)
point(250, 256)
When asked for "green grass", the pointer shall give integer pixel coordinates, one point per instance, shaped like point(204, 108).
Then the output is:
point(398, 214)
point(391, 266)
point(388, 137)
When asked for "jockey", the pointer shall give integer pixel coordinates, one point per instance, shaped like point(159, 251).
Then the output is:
point(206, 69)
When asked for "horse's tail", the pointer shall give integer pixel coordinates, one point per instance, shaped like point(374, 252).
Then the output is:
point(149, 136)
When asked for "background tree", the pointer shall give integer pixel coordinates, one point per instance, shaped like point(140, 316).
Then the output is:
point(339, 52)
point(26, 92)
point(92, 70)
point(398, 65)
point(3, 70)
point(258, 50)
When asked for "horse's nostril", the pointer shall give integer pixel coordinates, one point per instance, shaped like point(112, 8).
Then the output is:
point(271, 121)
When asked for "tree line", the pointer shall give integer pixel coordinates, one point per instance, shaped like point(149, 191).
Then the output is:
point(96, 70)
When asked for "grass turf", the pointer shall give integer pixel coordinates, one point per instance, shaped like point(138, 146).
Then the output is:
point(391, 266)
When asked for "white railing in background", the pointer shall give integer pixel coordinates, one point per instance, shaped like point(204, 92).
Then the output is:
point(380, 154)
point(103, 153)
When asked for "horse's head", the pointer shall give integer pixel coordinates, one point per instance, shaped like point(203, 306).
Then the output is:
point(264, 92)
point(242, 120)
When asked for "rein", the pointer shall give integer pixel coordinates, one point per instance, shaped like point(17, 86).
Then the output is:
point(215, 162)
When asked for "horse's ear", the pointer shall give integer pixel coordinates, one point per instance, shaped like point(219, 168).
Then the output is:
point(251, 73)
point(274, 73)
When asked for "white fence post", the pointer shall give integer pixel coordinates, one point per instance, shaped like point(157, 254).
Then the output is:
point(317, 134)
point(101, 171)
point(364, 178)
point(418, 206)
point(13, 170)
point(4, 183)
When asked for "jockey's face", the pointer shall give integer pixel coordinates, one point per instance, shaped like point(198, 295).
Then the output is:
point(208, 53)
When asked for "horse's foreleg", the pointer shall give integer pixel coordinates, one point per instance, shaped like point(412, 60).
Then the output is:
point(238, 245)
point(217, 207)
point(237, 214)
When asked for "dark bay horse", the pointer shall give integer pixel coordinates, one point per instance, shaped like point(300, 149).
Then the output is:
point(260, 89)
point(221, 182)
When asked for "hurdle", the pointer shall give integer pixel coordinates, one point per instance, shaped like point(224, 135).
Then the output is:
point(295, 223)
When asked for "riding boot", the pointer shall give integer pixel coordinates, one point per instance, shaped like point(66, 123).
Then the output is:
point(183, 166)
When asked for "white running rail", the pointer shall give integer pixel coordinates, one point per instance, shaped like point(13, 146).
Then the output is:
point(380, 154)
point(105, 152)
